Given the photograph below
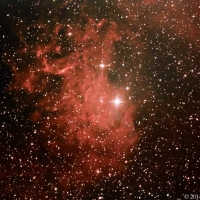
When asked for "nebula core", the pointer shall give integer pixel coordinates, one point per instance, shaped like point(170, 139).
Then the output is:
point(98, 99)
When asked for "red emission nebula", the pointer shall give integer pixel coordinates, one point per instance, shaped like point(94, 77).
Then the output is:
point(99, 99)
point(81, 118)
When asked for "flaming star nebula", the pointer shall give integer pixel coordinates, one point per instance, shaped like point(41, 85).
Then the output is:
point(99, 99)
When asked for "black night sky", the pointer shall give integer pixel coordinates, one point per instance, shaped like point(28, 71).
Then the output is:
point(99, 99)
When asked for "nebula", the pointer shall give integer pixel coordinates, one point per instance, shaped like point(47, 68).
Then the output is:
point(75, 110)
point(89, 103)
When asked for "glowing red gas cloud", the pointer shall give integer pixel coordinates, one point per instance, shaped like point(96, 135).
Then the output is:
point(83, 102)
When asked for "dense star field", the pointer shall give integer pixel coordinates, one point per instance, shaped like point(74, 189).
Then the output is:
point(99, 99)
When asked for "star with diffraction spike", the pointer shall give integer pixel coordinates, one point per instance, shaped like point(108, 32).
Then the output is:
point(102, 65)
point(117, 101)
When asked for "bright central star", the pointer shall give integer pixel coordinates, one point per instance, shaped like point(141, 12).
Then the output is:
point(117, 101)
point(102, 65)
